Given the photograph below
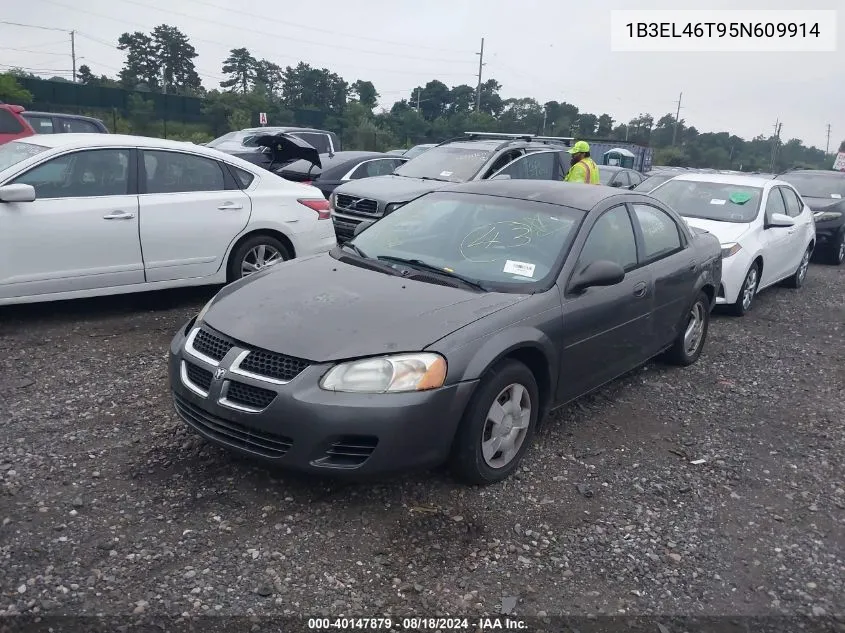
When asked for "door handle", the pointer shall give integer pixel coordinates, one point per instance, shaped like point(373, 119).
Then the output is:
point(230, 206)
point(640, 289)
point(119, 215)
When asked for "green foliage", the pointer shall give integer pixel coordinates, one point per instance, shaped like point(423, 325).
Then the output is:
point(12, 92)
point(141, 115)
point(241, 68)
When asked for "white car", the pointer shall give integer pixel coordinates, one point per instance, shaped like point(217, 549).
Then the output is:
point(97, 214)
point(766, 230)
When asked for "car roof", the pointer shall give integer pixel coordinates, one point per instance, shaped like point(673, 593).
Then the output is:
point(568, 194)
point(814, 172)
point(613, 168)
point(282, 128)
point(726, 179)
point(62, 114)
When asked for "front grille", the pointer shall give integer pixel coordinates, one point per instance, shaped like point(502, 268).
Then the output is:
point(211, 345)
point(249, 396)
point(350, 451)
point(344, 230)
point(232, 433)
point(356, 205)
point(272, 365)
point(199, 376)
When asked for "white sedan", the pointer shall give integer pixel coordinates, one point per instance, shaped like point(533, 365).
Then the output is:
point(97, 214)
point(766, 230)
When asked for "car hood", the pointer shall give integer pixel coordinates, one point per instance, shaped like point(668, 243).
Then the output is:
point(822, 204)
point(726, 232)
point(390, 188)
point(321, 309)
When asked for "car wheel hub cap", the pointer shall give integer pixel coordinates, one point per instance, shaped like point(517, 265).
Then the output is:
point(695, 329)
point(506, 426)
point(842, 250)
point(259, 257)
point(805, 263)
point(750, 286)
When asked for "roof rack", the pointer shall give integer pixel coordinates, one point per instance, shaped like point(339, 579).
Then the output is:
point(521, 137)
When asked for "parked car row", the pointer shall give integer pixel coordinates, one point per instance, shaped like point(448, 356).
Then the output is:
point(17, 122)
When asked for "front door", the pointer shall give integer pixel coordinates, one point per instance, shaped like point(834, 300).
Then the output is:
point(188, 215)
point(607, 330)
point(80, 233)
point(776, 241)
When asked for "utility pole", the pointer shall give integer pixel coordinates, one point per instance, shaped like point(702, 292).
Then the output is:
point(677, 119)
point(418, 100)
point(544, 121)
point(775, 144)
point(827, 147)
point(73, 53)
point(480, 66)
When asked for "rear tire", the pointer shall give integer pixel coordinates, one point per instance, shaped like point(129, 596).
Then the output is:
point(689, 343)
point(498, 425)
point(256, 252)
point(798, 277)
point(836, 254)
point(747, 292)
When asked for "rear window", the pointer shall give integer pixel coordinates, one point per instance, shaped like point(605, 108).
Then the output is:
point(9, 123)
point(41, 124)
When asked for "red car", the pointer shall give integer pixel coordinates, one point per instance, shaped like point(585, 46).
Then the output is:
point(12, 125)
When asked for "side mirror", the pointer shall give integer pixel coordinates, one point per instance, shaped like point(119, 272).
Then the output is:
point(17, 193)
point(501, 177)
point(363, 226)
point(599, 273)
point(632, 187)
point(775, 220)
point(616, 184)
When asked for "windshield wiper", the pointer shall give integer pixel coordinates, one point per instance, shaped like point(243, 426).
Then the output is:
point(418, 263)
point(436, 179)
point(355, 249)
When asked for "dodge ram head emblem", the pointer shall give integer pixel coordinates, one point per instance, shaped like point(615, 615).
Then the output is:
point(219, 373)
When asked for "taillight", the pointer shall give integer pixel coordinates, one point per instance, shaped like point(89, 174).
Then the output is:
point(321, 206)
point(307, 182)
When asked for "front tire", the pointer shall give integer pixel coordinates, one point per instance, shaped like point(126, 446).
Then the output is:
point(747, 292)
point(798, 277)
point(836, 254)
point(690, 340)
point(498, 425)
point(254, 254)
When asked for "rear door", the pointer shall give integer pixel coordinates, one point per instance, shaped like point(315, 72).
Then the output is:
point(80, 233)
point(663, 248)
point(606, 329)
point(776, 240)
point(191, 209)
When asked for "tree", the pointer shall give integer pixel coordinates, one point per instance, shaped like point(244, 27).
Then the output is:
point(84, 75)
point(141, 114)
point(587, 124)
point(366, 93)
point(842, 146)
point(242, 69)
point(605, 126)
point(12, 92)
point(304, 87)
point(491, 102)
point(461, 99)
point(433, 99)
point(142, 65)
point(522, 115)
point(269, 75)
point(175, 56)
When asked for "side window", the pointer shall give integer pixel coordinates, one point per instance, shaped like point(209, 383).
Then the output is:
point(537, 166)
point(99, 172)
point(636, 178)
point(77, 126)
point(244, 177)
point(774, 203)
point(611, 238)
point(622, 179)
point(318, 141)
point(8, 123)
point(173, 172)
point(503, 160)
point(370, 168)
point(661, 236)
point(41, 124)
point(793, 204)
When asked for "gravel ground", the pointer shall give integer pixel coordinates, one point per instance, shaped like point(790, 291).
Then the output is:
point(109, 505)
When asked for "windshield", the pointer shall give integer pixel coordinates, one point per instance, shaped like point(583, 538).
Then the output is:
point(501, 243)
point(242, 137)
point(817, 185)
point(652, 181)
point(417, 150)
point(711, 200)
point(450, 163)
point(231, 136)
point(17, 151)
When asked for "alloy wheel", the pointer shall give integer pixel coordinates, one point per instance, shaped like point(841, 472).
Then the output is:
point(258, 258)
point(506, 426)
point(840, 254)
point(749, 288)
point(804, 265)
point(695, 329)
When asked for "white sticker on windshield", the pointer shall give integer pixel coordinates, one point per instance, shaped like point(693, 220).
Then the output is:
point(446, 174)
point(717, 201)
point(519, 268)
point(836, 195)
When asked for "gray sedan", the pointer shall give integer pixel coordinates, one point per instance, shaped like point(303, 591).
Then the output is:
point(446, 330)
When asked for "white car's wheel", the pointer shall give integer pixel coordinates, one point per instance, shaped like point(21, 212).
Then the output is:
point(745, 299)
point(254, 254)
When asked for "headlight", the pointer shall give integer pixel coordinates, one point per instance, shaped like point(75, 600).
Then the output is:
point(393, 206)
point(388, 374)
point(731, 249)
point(205, 308)
point(824, 216)
point(332, 197)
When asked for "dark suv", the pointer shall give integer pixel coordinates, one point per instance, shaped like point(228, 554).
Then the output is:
point(824, 193)
point(52, 123)
point(474, 156)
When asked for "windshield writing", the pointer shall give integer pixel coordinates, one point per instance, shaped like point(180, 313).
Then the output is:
point(711, 200)
point(16, 152)
point(448, 163)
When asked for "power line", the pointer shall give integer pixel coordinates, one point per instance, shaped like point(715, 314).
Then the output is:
point(33, 26)
point(27, 50)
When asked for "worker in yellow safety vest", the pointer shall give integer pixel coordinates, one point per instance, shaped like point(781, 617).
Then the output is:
point(583, 168)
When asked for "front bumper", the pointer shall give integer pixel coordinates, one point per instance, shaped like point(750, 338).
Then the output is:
point(734, 270)
point(345, 224)
point(308, 429)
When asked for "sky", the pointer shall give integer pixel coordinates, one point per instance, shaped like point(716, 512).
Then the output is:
point(546, 49)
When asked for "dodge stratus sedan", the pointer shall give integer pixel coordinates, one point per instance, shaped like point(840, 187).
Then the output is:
point(446, 330)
